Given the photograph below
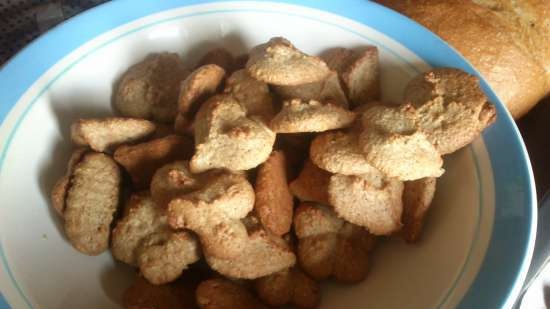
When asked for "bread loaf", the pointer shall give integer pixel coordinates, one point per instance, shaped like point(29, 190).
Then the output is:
point(507, 41)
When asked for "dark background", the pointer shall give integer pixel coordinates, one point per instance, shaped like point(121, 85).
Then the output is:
point(21, 21)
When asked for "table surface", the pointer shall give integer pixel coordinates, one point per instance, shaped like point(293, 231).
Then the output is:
point(23, 20)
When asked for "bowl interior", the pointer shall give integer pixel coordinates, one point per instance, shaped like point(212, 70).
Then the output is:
point(49, 273)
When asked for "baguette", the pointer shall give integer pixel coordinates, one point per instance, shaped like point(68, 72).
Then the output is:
point(506, 41)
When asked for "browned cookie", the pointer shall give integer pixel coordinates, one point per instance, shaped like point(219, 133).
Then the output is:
point(290, 286)
point(142, 218)
point(103, 134)
point(225, 294)
point(225, 137)
point(91, 202)
point(59, 190)
point(339, 152)
point(172, 180)
point(311, 116)
point(274, 203)
point(362, 77)
point(251, 93)
point(417, 198)
point(220, 57)
point(162, 130)
point(296, 149)
point(150, 88)
point(278, 62)
point(263, 254)
point(452, 109)
point(368, 200)
point(311, 184)
point(183, 125)
point(392, 143)
point(213, 212)
point(144, 295)
point(328, 89)
point(198, 86)
point(142, 160)
point(163, 256)
point(359, 70)
point(329, 246)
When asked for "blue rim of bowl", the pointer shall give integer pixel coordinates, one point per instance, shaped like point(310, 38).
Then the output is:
point(508, 255)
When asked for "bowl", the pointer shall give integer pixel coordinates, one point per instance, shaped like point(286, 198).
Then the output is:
point(479, 234)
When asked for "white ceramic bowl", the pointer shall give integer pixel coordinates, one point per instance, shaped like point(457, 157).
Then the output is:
point(479, 234)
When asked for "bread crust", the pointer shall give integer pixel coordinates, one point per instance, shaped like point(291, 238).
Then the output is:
point(506, 41)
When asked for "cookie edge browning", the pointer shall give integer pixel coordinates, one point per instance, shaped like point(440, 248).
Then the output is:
point(62, 185)
point(275, 210)
point(103, 244)
point(82, 135)
point(416, 203)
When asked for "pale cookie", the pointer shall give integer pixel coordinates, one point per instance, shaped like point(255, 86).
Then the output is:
point(226, 138)
point(213, 213)
point(198, 86)
point(362, 77)
point(104, 134)
point(142, 160)
point(274, 203)
point(163, 256)
point(311, 184)
point(142, 218)
point(251, 93)
point(225, 294)
point(311, 116)
point(91, 202)
point(172, 180)
point(59, 190)
point(150, 88)
point(290, 286)
point(359, 70)
point(328, 89)
point(392, 143)
point(339, 153)
point(417, 198)
point(368, 200)
point(452, 109)
point(263, 254)
point(330, 247)
point(278, 62)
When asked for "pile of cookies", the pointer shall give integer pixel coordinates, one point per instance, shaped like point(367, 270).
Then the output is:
point(250, 179)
